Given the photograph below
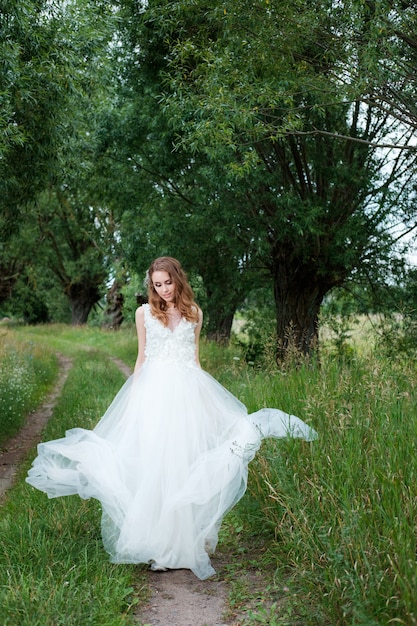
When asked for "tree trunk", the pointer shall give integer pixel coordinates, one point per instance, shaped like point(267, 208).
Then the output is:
point(82, 298)
point(113, 315)
point(9, 275)
point(219, 325)
point(298, 293)
point(225, 292)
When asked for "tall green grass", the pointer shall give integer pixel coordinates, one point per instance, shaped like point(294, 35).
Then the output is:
point(334, 519)
point(342, 510)
point(71, 340)
point(26, 374)
point(53, 568)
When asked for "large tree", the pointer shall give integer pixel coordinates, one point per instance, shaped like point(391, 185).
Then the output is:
point(56, 82)
point(33, 94)
point(73, 236)
point(254, 119)
point(171, 208)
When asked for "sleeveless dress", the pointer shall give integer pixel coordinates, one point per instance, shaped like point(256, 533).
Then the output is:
point(167, 460)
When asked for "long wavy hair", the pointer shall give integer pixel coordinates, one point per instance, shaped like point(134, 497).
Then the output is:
point(184, 297)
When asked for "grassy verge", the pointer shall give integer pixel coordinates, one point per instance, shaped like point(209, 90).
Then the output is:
point(26, 374)
point(53, 568)
point(340, 512)
point(72, 339)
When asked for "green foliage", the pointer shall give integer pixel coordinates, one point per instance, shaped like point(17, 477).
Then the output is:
point(256, 329)
point(33, 96)
point(397, 334)
point(51, 224)
point(239, 138)
point(37, 299)
point(239, 125)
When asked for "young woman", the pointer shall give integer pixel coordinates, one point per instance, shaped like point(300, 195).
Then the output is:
point(170, 456)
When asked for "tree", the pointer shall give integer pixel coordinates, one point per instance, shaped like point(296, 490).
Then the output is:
point(255, 101)
point(33, 94)
point(179, 214)
point(56, 82)
point(388, 48)
point(73, 236)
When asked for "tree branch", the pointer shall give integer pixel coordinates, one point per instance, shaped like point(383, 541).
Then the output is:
point(316, 131)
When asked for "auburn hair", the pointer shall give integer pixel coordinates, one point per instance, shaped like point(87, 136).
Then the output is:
point(184, 297)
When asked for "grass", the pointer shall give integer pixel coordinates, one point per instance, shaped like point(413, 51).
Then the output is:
point(64, 577)
point(342, 510)
point(325, 534)
point(53, 568)
point(71, 340)
point(26, 374)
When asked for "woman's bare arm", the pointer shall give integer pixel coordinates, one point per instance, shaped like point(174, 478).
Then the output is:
point(141, 332)
point(197, 337)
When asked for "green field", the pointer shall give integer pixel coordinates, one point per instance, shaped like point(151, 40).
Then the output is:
point(329, 525)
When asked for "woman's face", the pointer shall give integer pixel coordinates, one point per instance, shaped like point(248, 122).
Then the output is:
point(164, 286)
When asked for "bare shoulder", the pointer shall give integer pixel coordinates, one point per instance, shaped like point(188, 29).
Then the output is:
point(140, 313)
point(200, 316)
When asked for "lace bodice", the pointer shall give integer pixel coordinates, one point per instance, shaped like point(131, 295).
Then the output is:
point(162, 343)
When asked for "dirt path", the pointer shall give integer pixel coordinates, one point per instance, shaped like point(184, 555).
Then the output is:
point(177, 598)
point(125, 369)
point(16, 449)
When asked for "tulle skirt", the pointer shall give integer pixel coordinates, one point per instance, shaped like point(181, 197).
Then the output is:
point(167, 460)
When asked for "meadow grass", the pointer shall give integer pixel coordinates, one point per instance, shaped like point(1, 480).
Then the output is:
point(340, 511)
point(53, 568)
point(329, 525)
point(71, 339)
point(26, 374)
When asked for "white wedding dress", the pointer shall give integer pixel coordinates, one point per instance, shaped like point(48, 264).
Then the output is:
point(167, 460)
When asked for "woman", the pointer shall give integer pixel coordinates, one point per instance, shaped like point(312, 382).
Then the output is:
point(170, 456)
